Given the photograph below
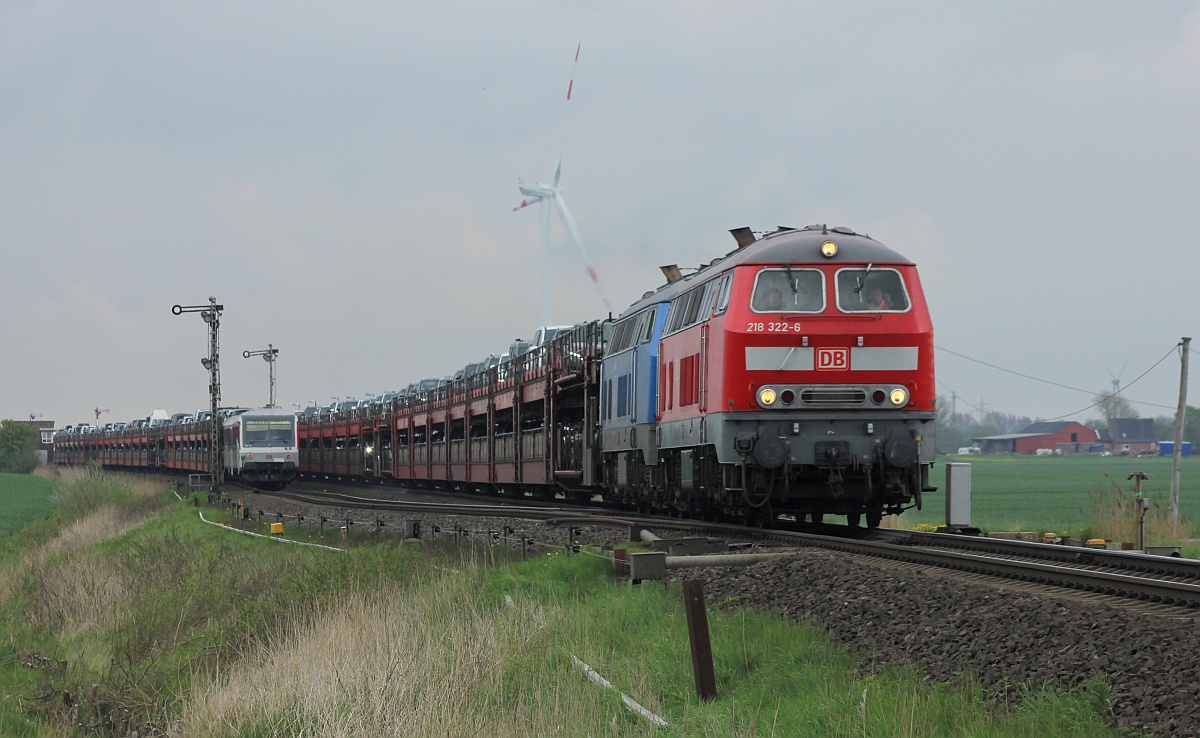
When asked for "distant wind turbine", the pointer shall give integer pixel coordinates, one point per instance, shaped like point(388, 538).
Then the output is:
point(1116, 378)
point(552, 193)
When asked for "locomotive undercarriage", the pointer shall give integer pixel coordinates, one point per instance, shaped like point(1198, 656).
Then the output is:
point(692, 483)
point(804, 470)
point(264, 475)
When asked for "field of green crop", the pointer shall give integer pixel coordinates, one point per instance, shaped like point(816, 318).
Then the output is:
point(25, 498)
point(1056, 493)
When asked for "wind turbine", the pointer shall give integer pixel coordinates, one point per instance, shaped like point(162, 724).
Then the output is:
point(548, 194)
point(1116, 378)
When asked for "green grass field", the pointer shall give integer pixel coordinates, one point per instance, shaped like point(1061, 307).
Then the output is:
point(1055, 493)
point(142, 618)
point(25, 498)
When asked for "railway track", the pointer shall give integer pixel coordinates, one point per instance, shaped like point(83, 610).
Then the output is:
point(1120, 574)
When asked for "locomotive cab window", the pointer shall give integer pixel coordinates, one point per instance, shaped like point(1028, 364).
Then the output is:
point(788, 291)
point(268, 433)
point(871, 290)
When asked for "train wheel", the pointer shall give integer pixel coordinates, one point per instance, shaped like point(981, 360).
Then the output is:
point(874, 518)
point(852, 519)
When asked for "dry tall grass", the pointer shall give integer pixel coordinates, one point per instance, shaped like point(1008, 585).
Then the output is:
point(99, 525)
point(53, 473)
point(1113, 513)
point(432, 660)
point(70, 586)
point(74, 593)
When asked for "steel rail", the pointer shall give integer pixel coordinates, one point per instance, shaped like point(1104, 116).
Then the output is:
point(1136, 561)
point(372, 503)
point(1146, 588)
point(1068, 567)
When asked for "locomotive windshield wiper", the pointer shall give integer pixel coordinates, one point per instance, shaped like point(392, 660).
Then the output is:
point(791, 281)
point(863, 278)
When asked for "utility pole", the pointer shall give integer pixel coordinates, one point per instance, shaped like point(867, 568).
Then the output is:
point(1177, 456)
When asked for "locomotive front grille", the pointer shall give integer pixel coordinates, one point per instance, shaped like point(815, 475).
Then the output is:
point(832, 396)
point(839, 396)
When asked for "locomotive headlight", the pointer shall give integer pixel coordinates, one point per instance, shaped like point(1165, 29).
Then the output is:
point(829, 249)
point(766, 396)
point(899, 396)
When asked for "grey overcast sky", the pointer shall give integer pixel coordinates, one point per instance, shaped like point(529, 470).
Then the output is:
point(341, 176)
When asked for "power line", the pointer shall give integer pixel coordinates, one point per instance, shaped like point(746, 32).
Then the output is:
point(1066, 386)
point(955, 393)
point(1094, 404)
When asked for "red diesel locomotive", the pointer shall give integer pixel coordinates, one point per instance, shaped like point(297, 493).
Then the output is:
point(794, 376)
point(802, 385)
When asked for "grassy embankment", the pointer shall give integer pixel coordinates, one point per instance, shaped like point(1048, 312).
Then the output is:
point(1082, 496)
point(132, 612)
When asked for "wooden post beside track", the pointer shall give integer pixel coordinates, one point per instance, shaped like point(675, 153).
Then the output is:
point(697, 619)
point(621, 562)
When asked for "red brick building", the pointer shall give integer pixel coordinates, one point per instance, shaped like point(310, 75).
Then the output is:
point(1132, 436)
point(1067, 437)
point(45, 446)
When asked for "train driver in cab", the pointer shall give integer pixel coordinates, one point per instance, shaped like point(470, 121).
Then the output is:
point(779, 291)
point(877, 299)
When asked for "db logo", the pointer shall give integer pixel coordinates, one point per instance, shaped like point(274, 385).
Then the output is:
point(833, 359)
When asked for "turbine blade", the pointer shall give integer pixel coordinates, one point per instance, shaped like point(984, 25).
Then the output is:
point(562, 138)
point(527, 202)
point(569, 222)
point(571, 84)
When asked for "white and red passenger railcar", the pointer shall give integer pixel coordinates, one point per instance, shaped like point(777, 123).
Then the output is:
point(260, 447)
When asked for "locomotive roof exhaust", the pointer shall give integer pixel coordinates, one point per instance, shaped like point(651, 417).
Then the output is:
point(672, 273)
point(743, 236)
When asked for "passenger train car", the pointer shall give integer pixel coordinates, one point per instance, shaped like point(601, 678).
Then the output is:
point(260, 447)
point(794, 376)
